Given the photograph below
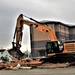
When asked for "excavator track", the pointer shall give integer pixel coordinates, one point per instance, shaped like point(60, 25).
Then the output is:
point(60, 58)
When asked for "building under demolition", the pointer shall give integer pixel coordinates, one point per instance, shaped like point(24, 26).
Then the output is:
point(38, 39)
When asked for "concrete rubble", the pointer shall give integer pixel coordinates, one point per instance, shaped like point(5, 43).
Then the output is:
point(19, 64)
point(29, 64)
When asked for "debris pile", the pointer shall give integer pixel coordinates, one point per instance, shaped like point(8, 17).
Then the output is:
point(19, 64)
point(28, 63)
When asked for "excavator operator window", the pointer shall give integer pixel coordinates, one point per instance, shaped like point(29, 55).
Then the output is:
point(52, 47)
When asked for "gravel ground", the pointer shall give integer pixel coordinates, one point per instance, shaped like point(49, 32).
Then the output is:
point(54, 71)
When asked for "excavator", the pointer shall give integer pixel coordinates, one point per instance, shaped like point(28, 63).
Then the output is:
point(56, 50)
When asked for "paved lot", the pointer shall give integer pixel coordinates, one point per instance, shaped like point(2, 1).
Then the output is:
point(56, 71)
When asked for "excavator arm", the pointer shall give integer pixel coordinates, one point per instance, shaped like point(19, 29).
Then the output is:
point(41, 27)
point(35, 24)
point(18, 33)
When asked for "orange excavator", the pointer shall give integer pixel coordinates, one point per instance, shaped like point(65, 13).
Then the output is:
point(55, 48)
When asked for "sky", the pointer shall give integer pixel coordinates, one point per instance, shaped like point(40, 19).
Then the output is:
point(53, 10)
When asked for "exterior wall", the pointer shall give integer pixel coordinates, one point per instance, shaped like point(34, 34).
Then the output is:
point(72, 33)
point(38, 42)
point(39, 39)
point(38, 36)
point(62, 32)
point(38, 48)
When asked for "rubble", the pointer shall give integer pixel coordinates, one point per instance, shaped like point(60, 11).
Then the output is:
point(29, 64)
point(19, 64)
point(1, 66)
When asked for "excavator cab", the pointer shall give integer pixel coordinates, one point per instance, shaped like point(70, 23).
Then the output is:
point(54, 47)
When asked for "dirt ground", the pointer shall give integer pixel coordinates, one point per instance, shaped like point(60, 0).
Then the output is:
point(52, 71)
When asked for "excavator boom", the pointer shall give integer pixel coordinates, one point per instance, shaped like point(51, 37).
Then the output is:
point(37, 25)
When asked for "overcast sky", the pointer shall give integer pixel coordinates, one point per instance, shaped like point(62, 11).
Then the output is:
point(53, 10)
